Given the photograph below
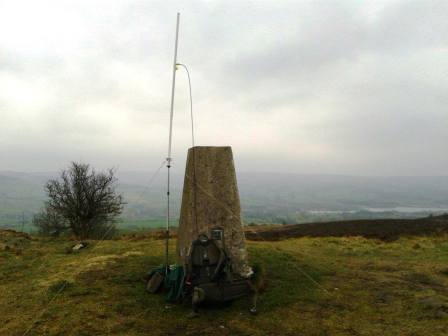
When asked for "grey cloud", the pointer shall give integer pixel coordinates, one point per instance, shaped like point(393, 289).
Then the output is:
point(310, 87)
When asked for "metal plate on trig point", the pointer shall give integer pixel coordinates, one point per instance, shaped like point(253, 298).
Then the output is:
point(217, 234)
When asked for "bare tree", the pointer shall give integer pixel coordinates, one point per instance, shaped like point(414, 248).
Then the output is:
point(49, 222)
point(87, 200)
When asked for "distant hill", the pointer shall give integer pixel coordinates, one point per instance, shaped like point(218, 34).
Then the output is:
point(265, 197)
point(330, 195)
point(384, 229)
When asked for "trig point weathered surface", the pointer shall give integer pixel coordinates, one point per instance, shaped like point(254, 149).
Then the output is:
point(211, 205)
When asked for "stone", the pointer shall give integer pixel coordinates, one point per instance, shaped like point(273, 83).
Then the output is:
point(211, 205)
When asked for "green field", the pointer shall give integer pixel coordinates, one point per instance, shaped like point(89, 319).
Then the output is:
point(315, 286)
point(144, 224)
point(265, 198)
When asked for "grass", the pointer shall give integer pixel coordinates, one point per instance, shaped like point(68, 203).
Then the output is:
point(124, 225)
point(315, 286)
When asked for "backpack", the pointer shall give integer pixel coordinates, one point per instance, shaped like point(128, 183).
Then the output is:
point(208, 274)
point(206, 261)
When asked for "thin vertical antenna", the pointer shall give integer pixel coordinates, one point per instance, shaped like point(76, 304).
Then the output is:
point(168, 159)
point(172, 88)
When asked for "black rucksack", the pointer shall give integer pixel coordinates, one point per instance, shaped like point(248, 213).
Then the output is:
point(206, 261)
point(208, 274)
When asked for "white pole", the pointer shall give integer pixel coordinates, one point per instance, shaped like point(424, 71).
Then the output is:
point(172, 88)
point(168, 159)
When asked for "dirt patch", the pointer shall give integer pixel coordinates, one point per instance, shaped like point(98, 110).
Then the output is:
point(13, 241)
point(8, 234)
point(99, 262)
point(93, 275)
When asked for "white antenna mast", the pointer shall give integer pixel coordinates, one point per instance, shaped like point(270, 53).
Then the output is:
point(168, 159)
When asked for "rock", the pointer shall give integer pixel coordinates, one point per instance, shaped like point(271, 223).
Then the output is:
point(79, 246)
point(211, 205)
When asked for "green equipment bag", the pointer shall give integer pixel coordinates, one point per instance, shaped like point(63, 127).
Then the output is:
point(172, 283)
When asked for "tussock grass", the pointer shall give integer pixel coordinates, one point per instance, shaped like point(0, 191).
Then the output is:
point(368, 287)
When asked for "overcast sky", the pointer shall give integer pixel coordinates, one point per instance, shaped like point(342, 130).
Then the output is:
point(332, 87)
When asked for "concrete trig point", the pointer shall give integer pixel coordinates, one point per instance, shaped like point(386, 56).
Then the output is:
point(211, 205)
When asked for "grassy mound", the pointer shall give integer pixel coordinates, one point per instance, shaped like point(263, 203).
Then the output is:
point(13, 241)
point(314, 286)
